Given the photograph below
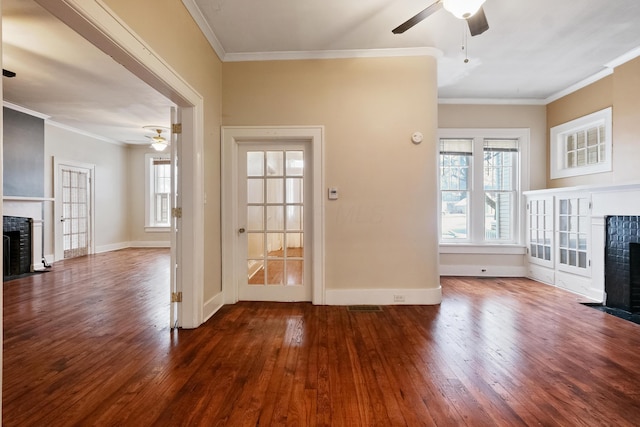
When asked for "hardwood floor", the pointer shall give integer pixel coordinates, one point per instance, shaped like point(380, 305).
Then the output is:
point(88, 344)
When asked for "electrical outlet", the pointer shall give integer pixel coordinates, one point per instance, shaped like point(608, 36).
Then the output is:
point(398, 298)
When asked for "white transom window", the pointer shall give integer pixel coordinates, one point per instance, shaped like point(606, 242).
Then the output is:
point(582, 146)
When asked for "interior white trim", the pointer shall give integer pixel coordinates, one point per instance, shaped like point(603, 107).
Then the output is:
point(491, 101)
point(475, 270)
point(230, 136)
point(208, 32)
point(333, 54)
point(25, 110)
point(430, 296)
point(113, 247)
point(462, 248)
point(85, 133)
point(93, 20)
point(213, 304)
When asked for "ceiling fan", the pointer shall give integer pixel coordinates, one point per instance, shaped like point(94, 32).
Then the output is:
point(470, 10)
point(158, 142)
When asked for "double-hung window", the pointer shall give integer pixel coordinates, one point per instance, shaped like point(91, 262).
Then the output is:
point(158, 194)
point(480, 185)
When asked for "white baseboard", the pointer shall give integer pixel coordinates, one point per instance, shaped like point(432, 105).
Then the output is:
point(212, 306)
point(150, 244)
point(384, 296)
point(112, 247)
point(489, 270)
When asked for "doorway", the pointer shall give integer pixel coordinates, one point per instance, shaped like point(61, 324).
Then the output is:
point(274, 206)
point(272, 214)
point(107, 31)
point(74, 206)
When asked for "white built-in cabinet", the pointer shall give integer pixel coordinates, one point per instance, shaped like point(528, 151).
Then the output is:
point(558, 239)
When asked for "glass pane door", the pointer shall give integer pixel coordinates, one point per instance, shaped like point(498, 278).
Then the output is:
point(75, 210)
point(273, 222)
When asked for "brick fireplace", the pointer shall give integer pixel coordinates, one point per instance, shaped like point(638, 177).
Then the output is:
point(615, 232)
point(17, 245)
point(622, 259)
point(22, 216)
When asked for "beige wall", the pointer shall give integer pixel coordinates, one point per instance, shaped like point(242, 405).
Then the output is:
point(111, 184)
point(382, 231)
point(187, 51)
point(621, 90)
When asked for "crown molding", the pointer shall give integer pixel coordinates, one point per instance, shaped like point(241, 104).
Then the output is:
point(630, 55)
point(333, 54)
point(84, 133)
point(206, 29)
point(491, 101)
point(25, 110)
point(581, 84)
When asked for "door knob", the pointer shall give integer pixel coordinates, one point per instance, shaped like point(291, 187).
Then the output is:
point(242, 230)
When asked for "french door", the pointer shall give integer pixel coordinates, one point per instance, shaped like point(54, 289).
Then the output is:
point(274, 214)
point(74, 211)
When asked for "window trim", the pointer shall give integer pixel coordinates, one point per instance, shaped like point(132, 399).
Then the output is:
point(148, 223)
point(557, 141)
point(523, 135)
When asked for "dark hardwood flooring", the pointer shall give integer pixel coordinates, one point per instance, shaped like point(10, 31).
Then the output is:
point(88, 344)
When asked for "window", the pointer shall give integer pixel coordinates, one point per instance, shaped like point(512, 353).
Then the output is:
point(582, 146)
point(480, 185)
point(158, 194)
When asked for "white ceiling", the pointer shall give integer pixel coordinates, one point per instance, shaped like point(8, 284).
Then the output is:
point(533, 51)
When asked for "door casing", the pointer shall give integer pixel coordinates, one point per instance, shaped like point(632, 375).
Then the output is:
point(231, 136)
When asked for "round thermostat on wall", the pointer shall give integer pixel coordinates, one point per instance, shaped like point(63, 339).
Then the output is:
point(417, 137)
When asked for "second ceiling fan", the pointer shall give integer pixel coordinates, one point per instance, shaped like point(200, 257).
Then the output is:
point(470, 10)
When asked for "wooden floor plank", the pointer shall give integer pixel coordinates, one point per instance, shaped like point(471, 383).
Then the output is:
point(88, 343)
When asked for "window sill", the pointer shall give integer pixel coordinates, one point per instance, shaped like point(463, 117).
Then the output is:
point(468, 248)
point(150, 229)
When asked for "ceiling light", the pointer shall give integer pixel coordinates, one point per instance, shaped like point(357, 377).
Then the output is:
point(158, 142)
point(159, 145)
point(463, 9)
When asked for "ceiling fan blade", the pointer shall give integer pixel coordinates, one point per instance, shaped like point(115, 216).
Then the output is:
point(7, 73)
point(478, 23)
point(419, 17)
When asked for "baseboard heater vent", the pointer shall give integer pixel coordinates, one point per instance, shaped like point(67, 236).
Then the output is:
point(364, 308)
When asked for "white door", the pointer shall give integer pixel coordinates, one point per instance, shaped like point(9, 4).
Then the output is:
point(176, 220)
point(274, 217)
point(73, 208)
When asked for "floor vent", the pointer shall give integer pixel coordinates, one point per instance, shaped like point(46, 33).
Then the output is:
point(366, 308)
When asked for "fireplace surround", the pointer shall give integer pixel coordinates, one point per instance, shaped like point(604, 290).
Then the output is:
point(622, 251)
point(17, 232)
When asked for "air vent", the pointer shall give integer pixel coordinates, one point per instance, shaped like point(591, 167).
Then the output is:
point(364, 308)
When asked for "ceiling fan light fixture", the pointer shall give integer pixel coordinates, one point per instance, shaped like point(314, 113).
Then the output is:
point(462, 9)
point(159, 145)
